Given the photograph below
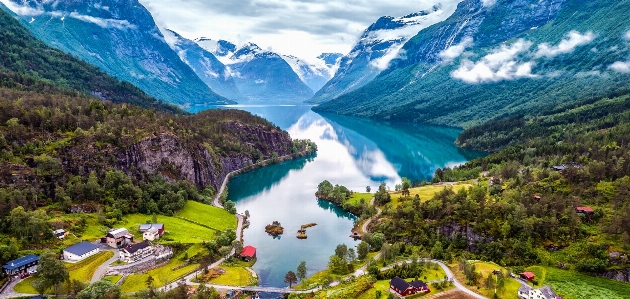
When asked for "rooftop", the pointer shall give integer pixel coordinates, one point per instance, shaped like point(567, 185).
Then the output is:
point(25, 260)
point(248, 251)
point(119, 232)
point(399, 283)
point(135, 247)
point(81, 248)
point(147, 226)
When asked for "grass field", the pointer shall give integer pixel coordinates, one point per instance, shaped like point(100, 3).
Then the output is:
point(113, 278)
point(83, 270)
point(573, 285)
point(234, 276)
point(426, 192)
point(355, 200)
point(208, 215)
point(383, 286)
point(177, 230)
point(162, 275)
point(511, 285)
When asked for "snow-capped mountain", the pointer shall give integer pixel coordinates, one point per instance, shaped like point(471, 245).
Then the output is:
point(314, 73)
point(259, 74)
point(121, 38)
point(377, 46)
point(205, 64)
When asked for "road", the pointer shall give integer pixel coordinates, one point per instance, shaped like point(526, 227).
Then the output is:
point(102, 269)
point(364, 227)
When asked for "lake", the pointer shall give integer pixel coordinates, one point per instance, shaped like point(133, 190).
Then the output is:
point(352, 152)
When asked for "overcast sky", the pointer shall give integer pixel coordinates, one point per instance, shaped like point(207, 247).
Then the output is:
point(304, 28)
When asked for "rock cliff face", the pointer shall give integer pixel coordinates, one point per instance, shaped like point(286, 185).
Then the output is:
point(618, 275)
point(454, 230)
point(197, 163)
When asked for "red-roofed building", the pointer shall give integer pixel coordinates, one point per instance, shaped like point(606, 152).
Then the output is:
point(529, 276)
point(248, 253)
point(584, 210)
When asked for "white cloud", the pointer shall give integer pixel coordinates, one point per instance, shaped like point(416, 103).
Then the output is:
point(488, 3)
point(105, 23)
point(627, 35)
point(621, 66)
point(22, 10)
point(501, 64)
point(568, 45)
point(383, 63)
point(455, 51)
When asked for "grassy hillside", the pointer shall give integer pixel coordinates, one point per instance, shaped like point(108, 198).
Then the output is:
point(428, 91)
point(28, 64)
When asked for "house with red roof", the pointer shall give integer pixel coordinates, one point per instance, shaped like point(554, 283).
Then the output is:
point(529, 276)
point(248, 253)
point(584, 210)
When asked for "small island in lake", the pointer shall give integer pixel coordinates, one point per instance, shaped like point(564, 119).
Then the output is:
point(302, 230)
point(274, 229)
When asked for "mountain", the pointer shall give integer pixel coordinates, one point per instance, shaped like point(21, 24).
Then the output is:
point(206, 66)
point(377, 46)
point(314, 73)
point(28, 64)
point(259, 74)
point(121, 38)
point(496, 58)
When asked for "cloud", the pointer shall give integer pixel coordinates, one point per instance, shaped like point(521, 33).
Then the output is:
point(455, 51)
point(383, 63)
point(568, 45)
point(621, 66)
point(488, 3)
point(304, 28)
point(627, 35)
point(105, 23)
point(501, 64)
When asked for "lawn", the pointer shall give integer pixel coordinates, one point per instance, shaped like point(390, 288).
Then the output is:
point(511, 285)
point(113, 278)
point(383, 286)
point(208, 215)
point(356, 197)
point(317, 279)
point(177, 230)
point(574, 285)
point(84, 270)
point(81, 271)
point(162, 275)
point(426, 192)
point(93, 230)
point(234, 276)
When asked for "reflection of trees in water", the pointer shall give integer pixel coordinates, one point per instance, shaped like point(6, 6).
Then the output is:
point(263, 179)
point(339, 212)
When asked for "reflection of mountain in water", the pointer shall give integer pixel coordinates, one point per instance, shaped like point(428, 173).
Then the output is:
point(329, 206)
point(416, 151)
point(263, 179)
point(283, 116)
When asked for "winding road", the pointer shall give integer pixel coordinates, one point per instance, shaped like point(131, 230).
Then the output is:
point(364, 227)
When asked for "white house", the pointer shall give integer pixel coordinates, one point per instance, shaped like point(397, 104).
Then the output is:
point(136, 252)
point(151, 234)
point(60, 233)
point(527, 292)
point(118, 238)
point(80, 251)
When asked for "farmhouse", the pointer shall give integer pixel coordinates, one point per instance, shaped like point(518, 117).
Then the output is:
point(118, 238)
point(151, 234)
point(147, 226)
point(21, 265)
point(136, 252)
point(527, 292)
point(584, 210)
point(248, 253)
point(60, 233)
point(80, 251)
point(401, 288)
point(529, 276)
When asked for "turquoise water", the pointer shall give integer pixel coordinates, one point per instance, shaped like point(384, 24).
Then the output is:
point(352, 152)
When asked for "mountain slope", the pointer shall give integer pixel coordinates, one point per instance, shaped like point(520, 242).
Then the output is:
point(259, 74)
point(28, 64)
point(378, 45)
point(313, 73)
point(206, 66)
point(487, 61)
point(121, 38)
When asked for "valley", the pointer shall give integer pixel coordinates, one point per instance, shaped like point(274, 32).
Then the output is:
point(461, 149)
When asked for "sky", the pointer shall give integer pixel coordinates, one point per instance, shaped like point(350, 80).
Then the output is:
point(304, 28)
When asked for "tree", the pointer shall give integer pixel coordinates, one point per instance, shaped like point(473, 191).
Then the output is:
point(351, 255)
point(230, 206)
point(363, 250)
point(437, 252)
point(103, 289)
point(341, 251)
point(368, 189)
point(301, 270)
point(376, 241)
point(51, 272)
point(225, 250)
point(246, 213)
point(337, 265)
point(290, 278)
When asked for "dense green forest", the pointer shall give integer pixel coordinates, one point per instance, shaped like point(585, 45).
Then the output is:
point(28, 64)
point(522, 211)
